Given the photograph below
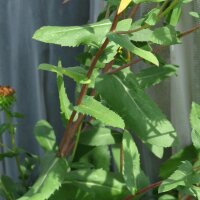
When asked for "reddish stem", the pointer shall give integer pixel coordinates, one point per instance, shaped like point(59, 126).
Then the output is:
point(144, 190)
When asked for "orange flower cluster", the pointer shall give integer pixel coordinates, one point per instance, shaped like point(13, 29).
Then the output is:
point(6, 91)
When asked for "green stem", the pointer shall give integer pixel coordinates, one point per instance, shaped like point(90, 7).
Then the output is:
point(14, 146)
point(76, 142)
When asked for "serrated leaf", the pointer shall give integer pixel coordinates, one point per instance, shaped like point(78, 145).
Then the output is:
point(98, 136)
point(49, 180)
point(104, 185)
point(131, 163)
point(78, 74)
point(154, 75)
point(71, 192)
point(169, 166)
point(94, 108)
point(45, 135)
point(124, 41)
point(73, 35)
point(183, 176)
point(65, 105)
point(140, 113)
point(166, 35)
point(123, 5)
point(195, 123)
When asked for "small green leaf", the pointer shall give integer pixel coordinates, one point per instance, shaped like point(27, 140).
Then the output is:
point(103, 185)
point(65, 105)
point(45, 135)
point(183, 176)
point(78, 74)
point(152, 17)
point(195, 15)
point(154, 75)
point(124, 41)
point(195, 123)
point(168, 167)
point(49, 180)
point(98, 136)
point(92, 107)
point(11, 153)
point(167, 197)
point(131, 164)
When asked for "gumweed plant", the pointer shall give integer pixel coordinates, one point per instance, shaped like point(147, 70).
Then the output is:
point(97, 158)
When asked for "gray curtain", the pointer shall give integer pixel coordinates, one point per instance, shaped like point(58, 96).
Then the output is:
point(20, 56)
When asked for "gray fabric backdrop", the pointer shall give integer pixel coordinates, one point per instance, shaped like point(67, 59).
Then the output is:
point(20, 55)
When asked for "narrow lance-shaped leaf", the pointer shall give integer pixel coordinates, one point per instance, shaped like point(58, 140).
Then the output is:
point(65, 104)
point(49, 180)
point(124, 41)
point(131, 163)
point(92, 107)
point(140, 113)
point(195, 123)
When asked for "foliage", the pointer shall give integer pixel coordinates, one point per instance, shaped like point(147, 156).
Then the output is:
point(98, 156)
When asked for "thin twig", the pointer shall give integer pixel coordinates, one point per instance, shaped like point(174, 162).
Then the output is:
point(144, 190)
point(189, 31)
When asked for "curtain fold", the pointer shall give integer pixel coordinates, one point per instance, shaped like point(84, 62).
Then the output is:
point(20, 56)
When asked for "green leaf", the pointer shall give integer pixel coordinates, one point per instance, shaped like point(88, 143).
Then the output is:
point(152, 17)
point(99, 157)
point(176, 13)
point(11, 153)
point(3, 128)
point(154, 75)
point(167, 197)
point(156, 150)
point(92, 107)
point(71, 192)
point(73, 35)
point(49, 180)
point(103, 185)
point(144, 35)
point(78, 74)
point(183, 176)
point(168, 167)
point(195, 123)
point(166, 35)
point(8, 188)
point(195, 15)
point(123, 41)
point(45, 135)
point(131, 164)
point(140, 113)
point(98, 136)
point(65, 105)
